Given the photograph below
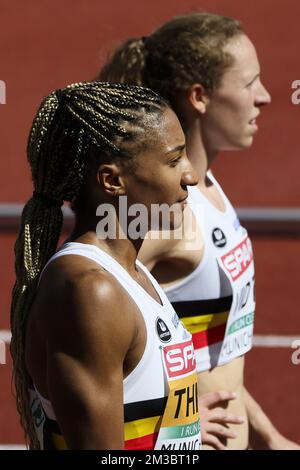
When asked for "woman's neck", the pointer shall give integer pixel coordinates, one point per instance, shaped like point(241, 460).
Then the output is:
point(122, 249)
point(198, 151)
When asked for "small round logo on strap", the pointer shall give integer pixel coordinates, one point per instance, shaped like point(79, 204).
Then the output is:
point(218, 237)
point(163, 331)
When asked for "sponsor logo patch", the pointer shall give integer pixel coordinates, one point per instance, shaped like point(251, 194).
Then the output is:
point(163, 331)
point(218, 237)
point(236, 224)
point(175, 320)
point(37, 412)
point(237, 260)
point(179, 358)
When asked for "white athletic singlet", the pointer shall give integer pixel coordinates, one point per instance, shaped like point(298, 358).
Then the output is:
point(160, 394)
point(216, 301)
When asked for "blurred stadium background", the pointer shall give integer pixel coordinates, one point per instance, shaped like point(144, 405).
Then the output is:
point(47, 45)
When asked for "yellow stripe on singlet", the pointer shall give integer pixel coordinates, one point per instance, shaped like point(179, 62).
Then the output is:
point(59, 441)
point(132, 430)
point(198, 323)
point(141, 427)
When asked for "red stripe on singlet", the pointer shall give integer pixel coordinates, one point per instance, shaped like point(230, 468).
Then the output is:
point(209, 336)
point(142, 443)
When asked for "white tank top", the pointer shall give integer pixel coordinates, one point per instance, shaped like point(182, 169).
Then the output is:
point(216, 301)
point(154, 404)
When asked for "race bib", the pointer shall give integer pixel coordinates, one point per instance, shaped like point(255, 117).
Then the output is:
point(180, 427)
point(238, 266)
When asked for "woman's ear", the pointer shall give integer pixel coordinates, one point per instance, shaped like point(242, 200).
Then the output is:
point(110, 178)
point(198, 97)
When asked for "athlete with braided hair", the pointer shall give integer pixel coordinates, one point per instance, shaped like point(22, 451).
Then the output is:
point(92, 332)
point(207, 68)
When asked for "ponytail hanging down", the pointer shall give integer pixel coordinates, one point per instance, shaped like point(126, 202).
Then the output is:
point(126, 64)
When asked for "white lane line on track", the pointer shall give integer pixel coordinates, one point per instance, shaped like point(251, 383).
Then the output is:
point(5, 335)
point(261, 341)
point(273, 341)
point(265, 341)
point(12, 447)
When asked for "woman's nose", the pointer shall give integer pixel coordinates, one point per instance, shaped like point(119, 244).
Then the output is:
point(189, 176)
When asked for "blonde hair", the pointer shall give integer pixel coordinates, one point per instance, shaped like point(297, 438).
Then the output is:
point(187, 49)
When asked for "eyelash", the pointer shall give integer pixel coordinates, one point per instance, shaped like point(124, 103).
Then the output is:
point(251, 83)
point(174, 162)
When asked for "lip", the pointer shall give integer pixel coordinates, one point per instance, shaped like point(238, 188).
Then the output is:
point(183, 202)
point(253, 125)
point(252, 121)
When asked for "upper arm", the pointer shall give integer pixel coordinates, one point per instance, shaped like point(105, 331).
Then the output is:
point(87, 341)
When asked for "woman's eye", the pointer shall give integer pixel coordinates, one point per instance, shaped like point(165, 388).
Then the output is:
point(249, 84)
point(175, 161)
point(252, 82)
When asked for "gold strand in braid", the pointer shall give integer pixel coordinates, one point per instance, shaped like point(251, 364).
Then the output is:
point(31, 255)
point(112, 147)
point(104, 115)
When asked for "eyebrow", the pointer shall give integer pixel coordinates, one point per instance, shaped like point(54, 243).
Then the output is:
point(176, 149)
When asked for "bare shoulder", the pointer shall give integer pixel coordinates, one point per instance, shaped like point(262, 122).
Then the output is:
point(77, 296)
point(87, 328)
